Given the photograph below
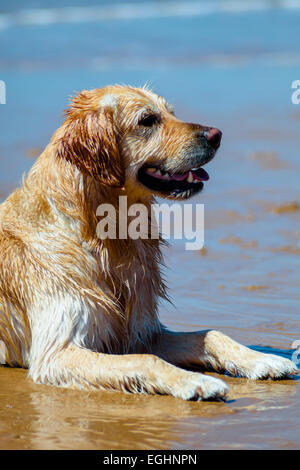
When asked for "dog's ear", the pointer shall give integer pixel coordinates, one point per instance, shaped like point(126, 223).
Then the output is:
point(89, 141)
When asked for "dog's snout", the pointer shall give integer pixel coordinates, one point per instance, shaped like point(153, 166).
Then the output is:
point(208, 135)
point(213, 136)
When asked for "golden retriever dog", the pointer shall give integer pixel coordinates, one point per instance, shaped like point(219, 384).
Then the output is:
point(80, 311)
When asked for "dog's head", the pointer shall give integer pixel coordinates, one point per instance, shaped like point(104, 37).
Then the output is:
point(125, 136)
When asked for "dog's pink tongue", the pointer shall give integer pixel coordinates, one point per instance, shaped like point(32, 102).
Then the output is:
point(179, 177)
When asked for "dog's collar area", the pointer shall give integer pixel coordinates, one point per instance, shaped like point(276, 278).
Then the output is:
point(167, 183)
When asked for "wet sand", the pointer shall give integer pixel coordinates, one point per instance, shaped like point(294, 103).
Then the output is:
point(244, 282)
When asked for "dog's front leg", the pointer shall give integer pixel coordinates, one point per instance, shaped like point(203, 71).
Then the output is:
point(215, 351)
point(78, 367)
point(68, 334)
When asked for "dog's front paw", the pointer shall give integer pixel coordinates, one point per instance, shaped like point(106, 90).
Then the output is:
point(263, 366)
point(197, 387)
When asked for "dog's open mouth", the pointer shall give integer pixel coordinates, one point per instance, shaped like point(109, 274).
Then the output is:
point(172, 184)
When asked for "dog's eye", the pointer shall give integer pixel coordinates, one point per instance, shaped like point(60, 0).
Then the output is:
point(149, 120)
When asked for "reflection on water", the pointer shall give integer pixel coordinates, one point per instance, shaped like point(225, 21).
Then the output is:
point(246, 279)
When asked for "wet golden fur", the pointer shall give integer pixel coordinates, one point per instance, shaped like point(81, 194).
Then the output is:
point(81, 312)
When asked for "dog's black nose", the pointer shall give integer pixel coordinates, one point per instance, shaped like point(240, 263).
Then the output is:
point(213, 136)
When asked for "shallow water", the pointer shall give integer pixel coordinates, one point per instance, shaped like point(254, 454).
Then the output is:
point(230, 70)
point(257, 416)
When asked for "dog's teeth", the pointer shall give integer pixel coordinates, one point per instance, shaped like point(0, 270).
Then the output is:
point(158, 172)
point(190, 178)
point(151, 170)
